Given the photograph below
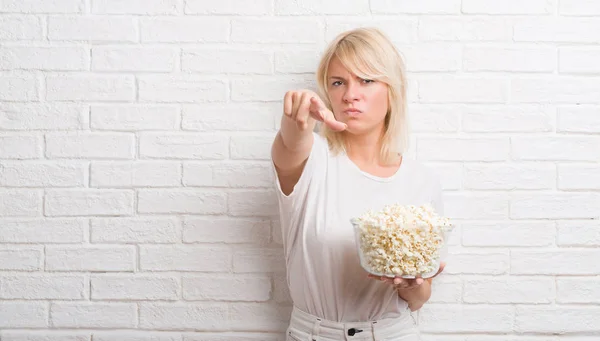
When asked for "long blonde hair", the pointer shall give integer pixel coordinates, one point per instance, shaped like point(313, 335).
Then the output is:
point(369, 53)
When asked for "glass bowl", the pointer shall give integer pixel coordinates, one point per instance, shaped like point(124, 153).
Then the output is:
point(389, 261)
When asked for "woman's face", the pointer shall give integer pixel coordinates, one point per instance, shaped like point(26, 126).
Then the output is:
point(360, 103)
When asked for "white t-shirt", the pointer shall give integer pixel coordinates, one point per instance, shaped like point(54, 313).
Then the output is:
point(323, 269)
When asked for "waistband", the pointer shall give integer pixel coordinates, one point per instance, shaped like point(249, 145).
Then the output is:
point(376, 330)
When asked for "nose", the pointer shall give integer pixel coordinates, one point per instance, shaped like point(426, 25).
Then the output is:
point(352, 93)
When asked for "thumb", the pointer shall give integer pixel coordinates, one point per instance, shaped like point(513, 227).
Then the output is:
point(325, 115)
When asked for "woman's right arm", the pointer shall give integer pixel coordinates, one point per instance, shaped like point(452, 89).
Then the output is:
point(294, 141)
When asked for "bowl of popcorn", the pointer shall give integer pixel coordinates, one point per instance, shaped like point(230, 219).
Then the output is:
point(402, 240)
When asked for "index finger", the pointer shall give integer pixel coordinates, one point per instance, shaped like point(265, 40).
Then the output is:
point(287, 103)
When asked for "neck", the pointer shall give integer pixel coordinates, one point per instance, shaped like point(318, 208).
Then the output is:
point(364, 149)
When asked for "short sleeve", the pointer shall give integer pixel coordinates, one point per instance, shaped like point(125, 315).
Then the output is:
point(316, 159)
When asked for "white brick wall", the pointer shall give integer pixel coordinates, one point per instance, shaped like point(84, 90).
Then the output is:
point(136, 198)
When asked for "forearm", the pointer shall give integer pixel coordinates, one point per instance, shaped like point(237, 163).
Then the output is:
point(416, 297)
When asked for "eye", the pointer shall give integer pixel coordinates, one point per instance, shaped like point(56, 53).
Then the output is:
point(336, 83)
point(368, 81)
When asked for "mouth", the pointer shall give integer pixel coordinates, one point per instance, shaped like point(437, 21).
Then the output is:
point(352, 112)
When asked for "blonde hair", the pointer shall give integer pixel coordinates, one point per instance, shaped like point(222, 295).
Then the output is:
point(369, 53)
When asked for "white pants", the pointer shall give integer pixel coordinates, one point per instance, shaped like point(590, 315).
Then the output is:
point(306, 327)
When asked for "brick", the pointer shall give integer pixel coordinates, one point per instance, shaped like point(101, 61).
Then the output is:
point(494, 234)
point(462, 90)
point(48, 6)
point(578, 120)
point(556, 148)
point(508, 7)
point(133, 58)
point(554, 262)
point(135, 230)
point(42, 174)
point(182, 201)
point(14, 28)
point(509, 176)
point(135, 174)
point(316, 7)
point(281, 291)
point(578, 233)
point(578, 290)
point(226, 287)
point(43, 287)
point(251, 147)
point(185, 258)
point(463, 149)
point(135, 117)
point(184, 146)
point(181, 88)
point(46, 230)
point(509, 59)
point(18, 88)
point(276, 31)
point(555, 90)
point(485, 118)
point(258, 259)
point(245, 175)
point(44, 58)
point(584, 177)
point(105, 88)
point(432, 57)
point(13, 146)
point(465, 28)
point(494, 262)
point(476, 206)
point(555, 206)
point(92, 28)
point(136, 336)
point(42, 116)
point(446, 289)
point(253, 203)
point(579, 7)
point(90, 145)
point(23, 315)
point(296, 60)
point(399, 30)
point(434, 118)
point(20, 203)
point(557, 30)
point(386, 7)
point(94, 258)
point(578, 60)
point(141, 7)
point(45, 335)
point(259, 317)
point(184, 30)
point(177, 316)
point(240, 61)
point(92, 315)
point(229, 7)
point(517, 290)
point(466, 319)
point(564, 319)
point(134, 287)
point(267, 88)
point(86, 202)
point(230, 117)
point(20, 258)
point(237, 336)
point(230, 230)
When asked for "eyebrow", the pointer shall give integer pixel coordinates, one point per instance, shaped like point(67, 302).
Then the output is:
point(337, 77)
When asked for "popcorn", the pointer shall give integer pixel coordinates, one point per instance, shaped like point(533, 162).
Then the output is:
point(401, 240)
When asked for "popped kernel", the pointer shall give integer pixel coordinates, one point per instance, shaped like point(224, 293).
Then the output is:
point(401, 240)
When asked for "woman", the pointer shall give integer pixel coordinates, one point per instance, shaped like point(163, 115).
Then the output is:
point(323, 180)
